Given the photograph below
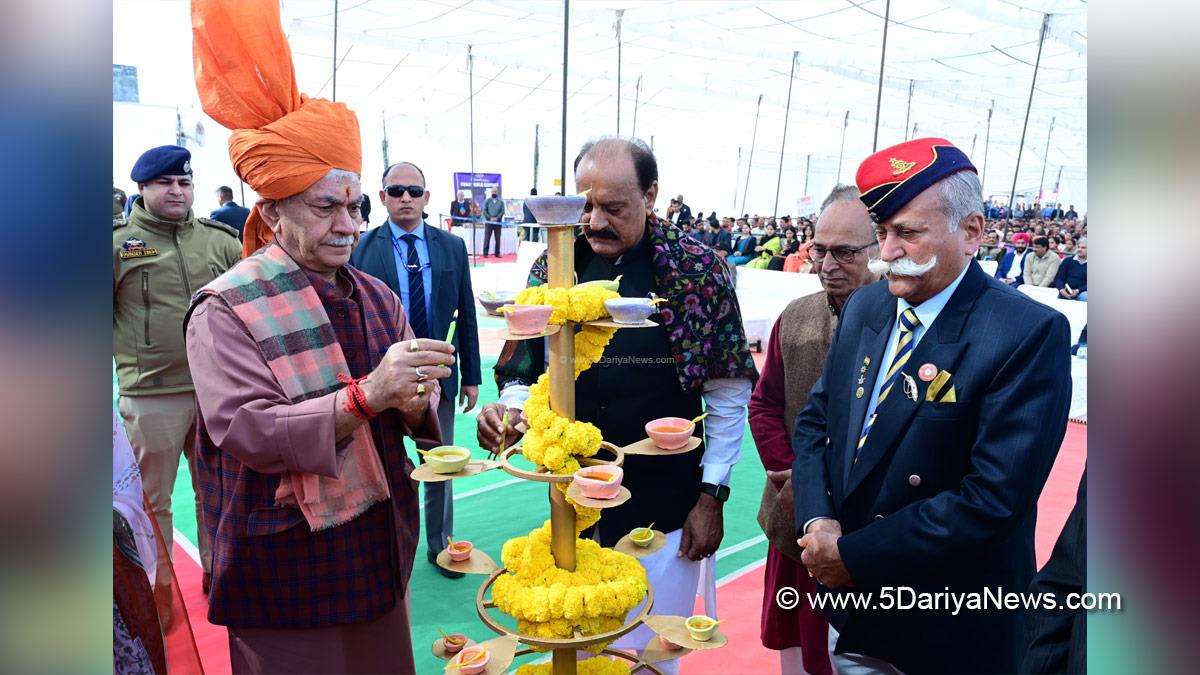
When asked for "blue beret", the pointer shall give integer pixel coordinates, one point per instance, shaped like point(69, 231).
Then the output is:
point(892, 177)
point(165, 160)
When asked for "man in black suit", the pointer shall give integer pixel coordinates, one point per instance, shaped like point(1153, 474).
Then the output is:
point(229, 212)
point(717, 238)
point(428, 269)
point(1057, 638)
point(460, 209)
point(925, 444)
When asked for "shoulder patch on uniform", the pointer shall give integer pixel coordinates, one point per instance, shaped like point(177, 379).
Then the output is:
point(231, 231)
point(136, 248)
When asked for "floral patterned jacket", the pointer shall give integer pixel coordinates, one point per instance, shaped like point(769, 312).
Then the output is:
point(702, 315)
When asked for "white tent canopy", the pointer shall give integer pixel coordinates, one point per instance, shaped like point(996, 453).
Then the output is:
point(702, 67)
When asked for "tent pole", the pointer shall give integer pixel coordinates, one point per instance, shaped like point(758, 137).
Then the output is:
point(471, 109)
point(620, 16)
point(842, 152)
point(987, 139)
point(783, 143)
point(736, 175)
point(1028, 106)
point(335, 58)
point(887, 12)
point(383, 121)
point(908, 111)
point(750, 161)
point(637, 95)
point(807, 166)
point(1045, 159)
point(562, 168)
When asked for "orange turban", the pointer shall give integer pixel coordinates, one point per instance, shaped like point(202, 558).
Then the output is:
point(283, 141)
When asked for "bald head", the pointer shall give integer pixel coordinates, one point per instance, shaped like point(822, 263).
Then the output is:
point(844, 230)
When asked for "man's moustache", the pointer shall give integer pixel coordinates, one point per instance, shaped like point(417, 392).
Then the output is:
point(605, 233)
point(904, 267)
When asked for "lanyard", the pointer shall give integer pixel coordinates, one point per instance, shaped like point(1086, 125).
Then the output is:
point(404, 257)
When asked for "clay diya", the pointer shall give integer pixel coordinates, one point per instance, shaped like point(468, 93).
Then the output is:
point(642, 536)
point(701, 627)
point(494, 301)
point(460, 550)
point(599, 482)
point(454, 642)
point(526, 319)
point(471, 660)
point(670, 433)
point(632, 311)
point(447, 458)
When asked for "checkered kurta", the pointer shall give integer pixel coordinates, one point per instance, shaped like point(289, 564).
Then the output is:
point(274, 571)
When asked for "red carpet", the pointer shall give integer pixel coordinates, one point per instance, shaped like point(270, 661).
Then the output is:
point(740, 601)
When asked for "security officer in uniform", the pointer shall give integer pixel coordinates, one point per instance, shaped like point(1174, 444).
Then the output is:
point(162, 253)
point(118, 202)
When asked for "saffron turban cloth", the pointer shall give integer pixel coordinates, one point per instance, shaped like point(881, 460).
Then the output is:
point(892, 177)
point(283, 141)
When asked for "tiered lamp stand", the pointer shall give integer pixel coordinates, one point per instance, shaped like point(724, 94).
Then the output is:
point(561, 264)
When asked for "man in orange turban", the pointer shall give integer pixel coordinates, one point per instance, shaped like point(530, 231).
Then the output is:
point(308, 379)
point(283, 141)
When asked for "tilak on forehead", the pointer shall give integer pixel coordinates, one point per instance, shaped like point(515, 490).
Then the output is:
point(283, 142)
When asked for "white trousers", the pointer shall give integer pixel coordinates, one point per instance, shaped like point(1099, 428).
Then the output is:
point(676, 582)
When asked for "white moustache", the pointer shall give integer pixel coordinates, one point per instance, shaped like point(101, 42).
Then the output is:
point(904, 267)
point(347, 240)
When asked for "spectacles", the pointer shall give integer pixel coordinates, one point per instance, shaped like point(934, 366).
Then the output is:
point(397, 191)
point(841, 254)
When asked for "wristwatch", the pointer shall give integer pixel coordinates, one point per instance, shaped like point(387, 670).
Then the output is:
point(718, 492)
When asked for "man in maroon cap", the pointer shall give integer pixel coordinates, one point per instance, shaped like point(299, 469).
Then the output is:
point(922, 450)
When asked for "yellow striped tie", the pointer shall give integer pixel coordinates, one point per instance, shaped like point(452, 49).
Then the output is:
point(904, 349)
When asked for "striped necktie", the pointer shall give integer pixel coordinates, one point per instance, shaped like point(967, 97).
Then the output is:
point(416, 289)
point(904, 349)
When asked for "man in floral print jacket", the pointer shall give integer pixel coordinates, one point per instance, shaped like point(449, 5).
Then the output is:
point(695, 360)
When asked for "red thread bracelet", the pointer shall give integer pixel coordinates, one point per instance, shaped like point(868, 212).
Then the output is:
point(356, 399)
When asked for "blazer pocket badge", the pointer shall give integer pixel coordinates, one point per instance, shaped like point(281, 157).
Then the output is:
point(938, 392)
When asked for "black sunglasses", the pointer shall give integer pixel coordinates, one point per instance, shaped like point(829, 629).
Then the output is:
point(397, 191)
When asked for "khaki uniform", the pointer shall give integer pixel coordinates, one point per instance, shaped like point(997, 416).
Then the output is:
point(157, 265)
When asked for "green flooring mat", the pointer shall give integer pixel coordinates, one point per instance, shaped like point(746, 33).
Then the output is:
point(494, 507)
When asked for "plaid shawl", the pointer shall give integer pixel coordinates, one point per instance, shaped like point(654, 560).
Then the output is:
point(271, 295)
point(702, 315)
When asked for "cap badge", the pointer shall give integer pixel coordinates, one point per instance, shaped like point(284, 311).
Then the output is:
point(900, 166)
point(187, 166)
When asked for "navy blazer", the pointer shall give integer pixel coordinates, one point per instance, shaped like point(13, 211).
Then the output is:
point(944, 495)
point(1004, 269)
point(451, 275)
point(232, 215)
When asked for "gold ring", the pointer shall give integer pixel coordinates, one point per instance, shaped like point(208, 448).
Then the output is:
point(412, 346)
point(420, 388)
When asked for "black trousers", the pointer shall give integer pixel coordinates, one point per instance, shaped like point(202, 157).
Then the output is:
point(488, 230)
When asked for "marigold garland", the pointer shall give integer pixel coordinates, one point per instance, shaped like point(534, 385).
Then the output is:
point(552, 602)
point(549, 602)
point(577, 303)
point(597, 665)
